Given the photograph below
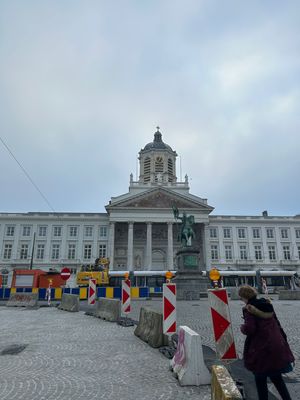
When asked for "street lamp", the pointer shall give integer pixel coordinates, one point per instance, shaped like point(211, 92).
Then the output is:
point(32, 253)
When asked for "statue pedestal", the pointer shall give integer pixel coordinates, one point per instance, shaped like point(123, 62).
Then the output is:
point(189, 276)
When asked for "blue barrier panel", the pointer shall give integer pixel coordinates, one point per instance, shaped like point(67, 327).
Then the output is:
point(42, 294)
point(144, 292)
point(6, 293)
point(67, 290)
point(28, 290)
point(75, 291)
point(157, 290)
point(1, 293)
point(117, 293)
point(19, 290)
point(101, 292)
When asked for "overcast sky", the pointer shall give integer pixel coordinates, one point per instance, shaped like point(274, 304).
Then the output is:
point(83, 85)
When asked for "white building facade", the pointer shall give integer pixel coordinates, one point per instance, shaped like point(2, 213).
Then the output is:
point(139, 232)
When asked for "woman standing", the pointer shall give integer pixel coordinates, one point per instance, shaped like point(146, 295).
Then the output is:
point(266, 350)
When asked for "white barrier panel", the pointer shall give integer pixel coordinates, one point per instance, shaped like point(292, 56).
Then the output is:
point(48, 295)
point(225, 347)
point(92, 291)
point(126, 306)
point(188, 362)
point(169, 308)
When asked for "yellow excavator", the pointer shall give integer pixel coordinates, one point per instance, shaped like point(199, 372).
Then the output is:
point(98, 271)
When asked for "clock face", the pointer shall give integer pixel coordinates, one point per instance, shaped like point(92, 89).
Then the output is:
point(159, 159)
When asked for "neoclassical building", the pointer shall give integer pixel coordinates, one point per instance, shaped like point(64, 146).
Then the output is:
point(139, 232)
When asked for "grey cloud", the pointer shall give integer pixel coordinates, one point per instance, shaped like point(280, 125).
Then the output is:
point(83, 87)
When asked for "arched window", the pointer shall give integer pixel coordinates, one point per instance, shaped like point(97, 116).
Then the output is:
point(170, 169)
point(147, 167)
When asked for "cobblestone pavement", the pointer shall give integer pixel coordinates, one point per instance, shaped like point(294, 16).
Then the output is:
point(196, 315)
point(71, 356)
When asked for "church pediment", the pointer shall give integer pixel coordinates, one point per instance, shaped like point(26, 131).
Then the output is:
point(162, 199)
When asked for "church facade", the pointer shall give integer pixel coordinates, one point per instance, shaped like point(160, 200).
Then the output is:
point(139, 231)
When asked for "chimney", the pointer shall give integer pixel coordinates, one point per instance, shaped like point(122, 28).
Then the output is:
point(265, 213)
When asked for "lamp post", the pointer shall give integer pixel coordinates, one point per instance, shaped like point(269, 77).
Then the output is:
point(32, 253)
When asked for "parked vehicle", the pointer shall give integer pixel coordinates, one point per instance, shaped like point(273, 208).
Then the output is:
point(99, 271)
point(36, 278)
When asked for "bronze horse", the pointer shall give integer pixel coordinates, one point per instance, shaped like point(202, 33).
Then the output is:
point(186, 232)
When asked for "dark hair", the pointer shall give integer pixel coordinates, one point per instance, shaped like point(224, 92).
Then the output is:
point(247, 292)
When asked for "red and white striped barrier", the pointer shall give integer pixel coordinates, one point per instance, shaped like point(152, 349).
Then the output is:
point(48, 295)
point(225, 347)
point(48, 292)
point(169, 308)
point(126, 306)
point(92, 291)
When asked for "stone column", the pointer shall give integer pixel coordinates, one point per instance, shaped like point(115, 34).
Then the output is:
point(111, 244)
point(130, 247)
point(170, 263)
point(149, 246)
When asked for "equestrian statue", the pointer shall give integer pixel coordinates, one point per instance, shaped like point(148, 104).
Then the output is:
point(186, 230)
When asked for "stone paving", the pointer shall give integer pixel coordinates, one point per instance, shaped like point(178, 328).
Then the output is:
point(72, 356)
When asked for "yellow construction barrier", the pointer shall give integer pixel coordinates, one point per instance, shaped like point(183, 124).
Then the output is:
point(223, 386)
point(58, 293)
point(110, 292)
point(83, 293)
point(135, 292)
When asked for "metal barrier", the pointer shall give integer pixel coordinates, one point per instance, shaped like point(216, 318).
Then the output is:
point(56, 293)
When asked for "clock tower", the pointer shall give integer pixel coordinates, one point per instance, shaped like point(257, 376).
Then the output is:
point(157, 162)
